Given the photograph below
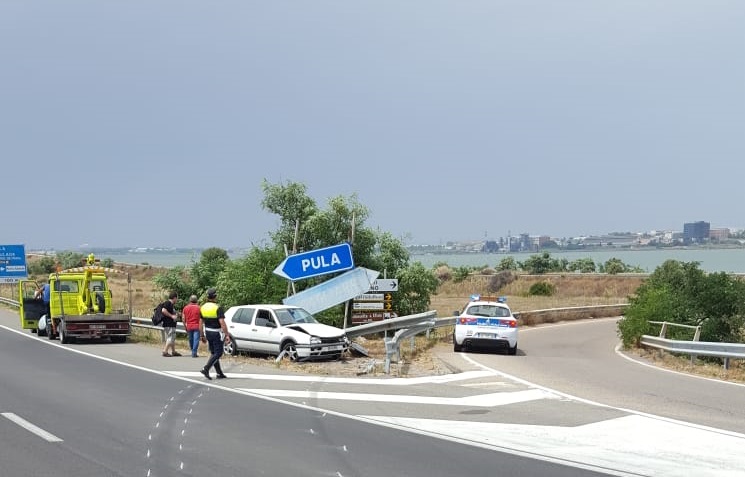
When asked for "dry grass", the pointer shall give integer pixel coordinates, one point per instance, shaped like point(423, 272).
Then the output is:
point(571, 290)
point(735, 373)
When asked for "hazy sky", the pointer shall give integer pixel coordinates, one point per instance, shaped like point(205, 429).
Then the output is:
point(153, 123)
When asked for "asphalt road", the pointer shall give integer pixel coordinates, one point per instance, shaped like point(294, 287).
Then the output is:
point(67, 413)
point(580, 359)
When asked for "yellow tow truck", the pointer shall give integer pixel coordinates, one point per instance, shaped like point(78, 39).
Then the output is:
point(80, 305)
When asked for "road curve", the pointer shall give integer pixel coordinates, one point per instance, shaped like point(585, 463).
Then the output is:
point(580, 359)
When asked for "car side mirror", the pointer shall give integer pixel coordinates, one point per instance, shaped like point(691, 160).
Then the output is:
point(456, 312)
point(271, 324)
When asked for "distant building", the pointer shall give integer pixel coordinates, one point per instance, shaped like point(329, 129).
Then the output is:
point(718, 235)
point(696, 232)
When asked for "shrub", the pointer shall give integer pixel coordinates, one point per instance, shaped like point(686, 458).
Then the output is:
point(461, 273)
point(541, 289)
point(443, 273)
point(500, 280)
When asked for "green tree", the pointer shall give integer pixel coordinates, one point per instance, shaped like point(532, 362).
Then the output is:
point(69, 259)
point(294, 207)
point(582, 265)
point(416, 286)
point(614, 266)
point(250, 279)
point(507, 263)
point(304, 226)
point(204, 273)
point(538, 264)
point(42, 266)
point(172, 280)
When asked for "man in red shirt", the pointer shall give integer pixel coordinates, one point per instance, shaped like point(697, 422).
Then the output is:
point(192, 316)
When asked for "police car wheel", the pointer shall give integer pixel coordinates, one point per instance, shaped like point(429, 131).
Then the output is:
point(456, 346)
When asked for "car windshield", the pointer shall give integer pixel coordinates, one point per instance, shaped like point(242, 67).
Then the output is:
point(289, 316)
point(492, 311)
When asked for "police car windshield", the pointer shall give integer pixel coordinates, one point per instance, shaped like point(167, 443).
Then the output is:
point(491, 311)
point(294, 315)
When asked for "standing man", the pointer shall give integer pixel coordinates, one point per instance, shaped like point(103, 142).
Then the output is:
point(169, 325)
point(44, 293)
point(214, 331)
point(192, 320)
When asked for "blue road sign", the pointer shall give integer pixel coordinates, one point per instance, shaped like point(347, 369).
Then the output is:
point(332, 259)
point(12, 263)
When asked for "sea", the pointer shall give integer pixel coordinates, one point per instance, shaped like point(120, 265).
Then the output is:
point(730, 260)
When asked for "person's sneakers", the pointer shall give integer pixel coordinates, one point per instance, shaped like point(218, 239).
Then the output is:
point(166, 355)
point(195, 356)
point(221, 376)
point(205, 373)
point(176, 353)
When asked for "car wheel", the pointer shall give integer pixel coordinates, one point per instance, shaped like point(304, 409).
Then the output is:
point(456, 346)
point(512, 350)
point(229, 347)
point(290, 350)
point(118, 339)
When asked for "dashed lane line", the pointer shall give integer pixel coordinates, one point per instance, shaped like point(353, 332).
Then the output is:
point(47, 436)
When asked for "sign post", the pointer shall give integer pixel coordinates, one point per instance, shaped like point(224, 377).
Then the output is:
point(12, 263)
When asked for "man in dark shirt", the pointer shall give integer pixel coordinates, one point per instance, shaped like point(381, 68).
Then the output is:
point(169, 325)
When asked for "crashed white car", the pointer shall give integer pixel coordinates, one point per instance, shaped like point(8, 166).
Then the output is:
point(273, 329)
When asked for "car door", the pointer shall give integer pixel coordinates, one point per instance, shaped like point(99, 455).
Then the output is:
point(266, 332)
point(240, 326)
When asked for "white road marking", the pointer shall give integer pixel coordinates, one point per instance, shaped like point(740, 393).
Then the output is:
point(659, 448)
point(445, 378)
point(47, 436)
point(480, 400)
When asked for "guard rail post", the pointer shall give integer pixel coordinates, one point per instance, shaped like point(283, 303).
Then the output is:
point(392, 345)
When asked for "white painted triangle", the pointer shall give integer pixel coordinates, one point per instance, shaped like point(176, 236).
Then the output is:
point(634, 444)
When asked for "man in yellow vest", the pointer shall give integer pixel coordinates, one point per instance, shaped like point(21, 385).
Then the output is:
point(213, 331)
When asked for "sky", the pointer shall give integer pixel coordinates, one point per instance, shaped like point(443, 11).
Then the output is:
point(152, 123)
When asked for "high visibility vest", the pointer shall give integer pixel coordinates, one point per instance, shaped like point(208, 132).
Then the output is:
point(209, 310)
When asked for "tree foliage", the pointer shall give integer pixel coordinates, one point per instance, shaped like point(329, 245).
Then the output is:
point(680, 292)
point(416, 286)
point(303, 226)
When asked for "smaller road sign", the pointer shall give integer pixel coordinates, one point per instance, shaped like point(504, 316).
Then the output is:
point(12, 263)
point(316, 262)
point(384, 285)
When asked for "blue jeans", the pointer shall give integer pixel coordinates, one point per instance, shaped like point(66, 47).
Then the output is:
point(193, 336)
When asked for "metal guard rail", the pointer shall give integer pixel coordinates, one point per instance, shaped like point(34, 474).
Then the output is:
point(696, 348)
point(703, 348)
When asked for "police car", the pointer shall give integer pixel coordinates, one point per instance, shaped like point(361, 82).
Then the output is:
point(486, 323)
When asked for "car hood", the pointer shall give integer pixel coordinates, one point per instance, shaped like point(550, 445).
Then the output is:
point(317, 329)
